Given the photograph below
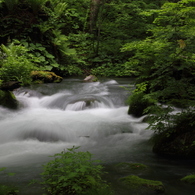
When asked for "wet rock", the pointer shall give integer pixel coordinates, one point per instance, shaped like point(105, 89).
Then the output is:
point(138, 104)
point(8, 100)
point(10, 86)
point(91, 78)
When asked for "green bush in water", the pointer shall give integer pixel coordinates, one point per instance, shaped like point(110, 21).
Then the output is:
point(73, 173)
point(7, 189)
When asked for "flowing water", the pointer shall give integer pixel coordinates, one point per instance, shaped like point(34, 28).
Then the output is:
point(54, 117)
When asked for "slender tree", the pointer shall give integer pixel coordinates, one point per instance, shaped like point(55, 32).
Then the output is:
point(94, 10)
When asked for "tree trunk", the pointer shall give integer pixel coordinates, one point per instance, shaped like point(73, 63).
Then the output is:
point(94, 10)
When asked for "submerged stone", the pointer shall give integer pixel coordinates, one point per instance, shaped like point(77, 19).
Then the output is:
point(141, 185)
point(130, 167)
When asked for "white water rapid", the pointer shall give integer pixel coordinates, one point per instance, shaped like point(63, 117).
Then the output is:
point(53, 117)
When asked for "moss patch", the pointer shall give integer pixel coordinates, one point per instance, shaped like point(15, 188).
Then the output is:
point(135, 182)
point(45, 77)
point(189, 179)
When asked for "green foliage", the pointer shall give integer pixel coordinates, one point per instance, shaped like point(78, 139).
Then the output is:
point(10, 4)
point(72, 70)
point(16, 65)
point(7, 189)
point(166, 59)
point(138, 104)
point(39, 26)
point(139, 101)
point(40, 56)
point(36, 5)
point(81, 42)
point(119, 22)
point(62, 28)
point(107, 68)
point(165, 62)
point(72, 172)
point(163, 120)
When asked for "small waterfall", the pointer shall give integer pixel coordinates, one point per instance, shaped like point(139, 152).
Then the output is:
point(75, 102)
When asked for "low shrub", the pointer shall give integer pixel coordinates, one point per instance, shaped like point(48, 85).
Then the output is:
point(73, 173)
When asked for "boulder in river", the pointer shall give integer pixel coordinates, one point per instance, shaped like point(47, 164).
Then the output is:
point(138, 104)
point(91, 78)
point(8, 100)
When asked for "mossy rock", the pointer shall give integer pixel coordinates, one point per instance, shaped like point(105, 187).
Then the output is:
point(138, 184)
point(189, 179)
point(45, 77)
point(8, 99)
point(138, 104)
point(130, 167)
